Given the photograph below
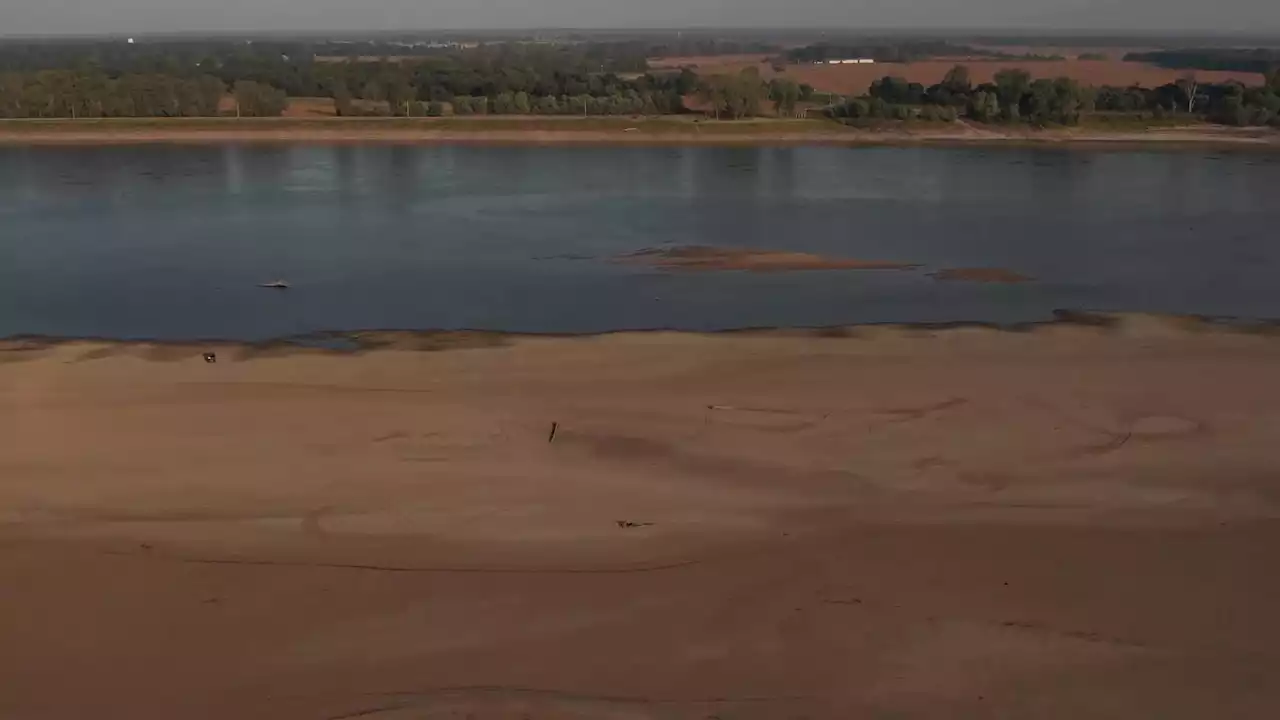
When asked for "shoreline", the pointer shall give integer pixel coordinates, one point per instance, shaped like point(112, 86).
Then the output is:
point(366, 340)
point(603, 132)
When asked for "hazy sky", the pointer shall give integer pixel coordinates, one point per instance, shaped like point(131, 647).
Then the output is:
point(141, 16)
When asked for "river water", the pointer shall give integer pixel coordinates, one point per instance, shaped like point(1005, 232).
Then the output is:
point(172, 241)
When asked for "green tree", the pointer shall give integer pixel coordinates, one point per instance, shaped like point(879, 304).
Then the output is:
point(1012, 85)
point(713, 91)
point(1234, 111)
point(373, 91)
point(258, 100)
point(984, 106)
point(399, 94)
point(547, 105)
point(746, 92)
point(785, 94)
point(957, 80)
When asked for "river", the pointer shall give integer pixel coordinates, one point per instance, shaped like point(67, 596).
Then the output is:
point(171, 242)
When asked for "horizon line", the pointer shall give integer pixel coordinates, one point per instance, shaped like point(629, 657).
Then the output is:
point(1037, 32)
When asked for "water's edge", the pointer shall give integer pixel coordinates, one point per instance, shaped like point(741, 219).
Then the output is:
point(352, 342)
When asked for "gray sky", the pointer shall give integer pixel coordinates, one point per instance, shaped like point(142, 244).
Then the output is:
point(142, 16)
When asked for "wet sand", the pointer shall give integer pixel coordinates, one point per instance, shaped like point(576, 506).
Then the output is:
point(1074, 521)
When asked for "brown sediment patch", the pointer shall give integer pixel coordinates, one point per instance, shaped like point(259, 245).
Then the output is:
point(981, 275)
point(702, 257)
point(430, 341)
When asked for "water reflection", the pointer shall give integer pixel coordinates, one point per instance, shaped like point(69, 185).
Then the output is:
point(171, 241)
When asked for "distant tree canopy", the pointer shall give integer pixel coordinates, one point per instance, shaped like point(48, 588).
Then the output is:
point(63, 93)
point(1014, 97)
point(901, 51)
point(410, 77)
point(1257, 60)
point(441, 81)
point(880, 51)
point(115, 79)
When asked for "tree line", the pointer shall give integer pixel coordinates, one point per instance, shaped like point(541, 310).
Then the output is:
point(746, 94)
point(1014, 97)
point(900, 51)
point(311, 69)
point(69, 94)
point(1255, 60)
point(401, 85)
point(356, 88)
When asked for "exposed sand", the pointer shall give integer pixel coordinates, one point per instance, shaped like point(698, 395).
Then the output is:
point(1075, 522)
point(703, 257)
point(666, 131)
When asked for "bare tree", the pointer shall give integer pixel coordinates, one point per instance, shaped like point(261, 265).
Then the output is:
point(1189, 85)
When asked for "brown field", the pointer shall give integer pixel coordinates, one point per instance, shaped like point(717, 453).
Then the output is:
point(1063, 523)
point(298, 107)
point(855, 79)
point(301, 107)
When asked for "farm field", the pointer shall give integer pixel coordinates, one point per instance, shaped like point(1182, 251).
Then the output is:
point(855, 79)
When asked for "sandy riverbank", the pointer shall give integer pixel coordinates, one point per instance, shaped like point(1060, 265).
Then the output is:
point(600, 131)
point(1068, 522)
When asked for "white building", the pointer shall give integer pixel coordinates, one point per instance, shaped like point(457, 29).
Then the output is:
point(852, 61)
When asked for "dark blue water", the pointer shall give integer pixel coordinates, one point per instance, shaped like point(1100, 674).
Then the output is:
point(171, 241)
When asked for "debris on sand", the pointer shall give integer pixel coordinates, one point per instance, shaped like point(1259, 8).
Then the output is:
point(703, 257)
point(627, 524)
point(275, 285)
point(982, 275)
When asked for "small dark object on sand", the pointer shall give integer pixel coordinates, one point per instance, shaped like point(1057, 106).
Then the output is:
point(628, 524)
point(211, 357)
point(552, 436)
point(275, 285)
